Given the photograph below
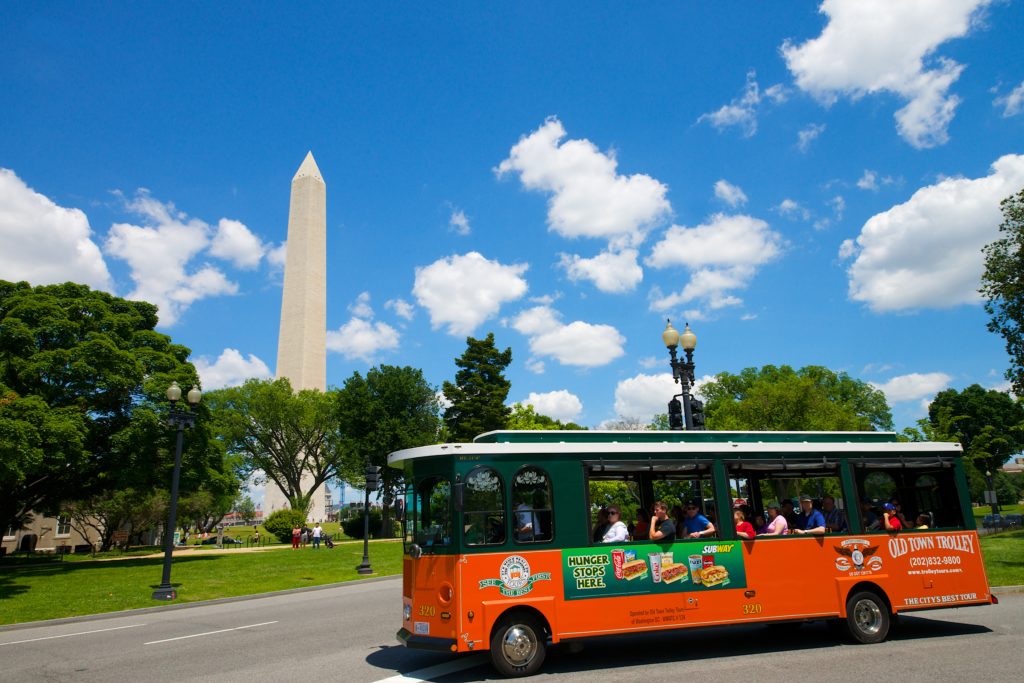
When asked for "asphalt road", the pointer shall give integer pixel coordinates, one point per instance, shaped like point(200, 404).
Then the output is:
point(346, 634)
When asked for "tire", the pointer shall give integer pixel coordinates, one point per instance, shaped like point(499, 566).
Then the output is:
point(867, 617)
point(518, 645)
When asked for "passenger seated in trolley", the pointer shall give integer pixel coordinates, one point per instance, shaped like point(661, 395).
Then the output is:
point(616, 532)
point(809, 521)
point(697, 525)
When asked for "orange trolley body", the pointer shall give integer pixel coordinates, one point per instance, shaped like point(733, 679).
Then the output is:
point(516, 598)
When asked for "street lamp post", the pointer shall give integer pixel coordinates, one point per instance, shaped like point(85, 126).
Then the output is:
point(690, 413)
point(372, 483)
point(991, 493)
point(181, 418)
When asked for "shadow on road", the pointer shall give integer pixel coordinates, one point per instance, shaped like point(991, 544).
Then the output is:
point(666, 647)
point(398, 659)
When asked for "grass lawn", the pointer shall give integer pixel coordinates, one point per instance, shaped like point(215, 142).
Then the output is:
point(49, 589)
point(980, 512)
point(1004, 558)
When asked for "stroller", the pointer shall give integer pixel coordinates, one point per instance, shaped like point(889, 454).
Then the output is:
point(328, 543)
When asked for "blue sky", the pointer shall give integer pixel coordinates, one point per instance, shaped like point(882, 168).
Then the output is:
point(803, 183)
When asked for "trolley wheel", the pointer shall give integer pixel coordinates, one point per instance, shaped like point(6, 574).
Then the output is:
point(518, 645)
point(867, 617)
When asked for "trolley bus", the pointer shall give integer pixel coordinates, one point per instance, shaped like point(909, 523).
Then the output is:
point(500, 549)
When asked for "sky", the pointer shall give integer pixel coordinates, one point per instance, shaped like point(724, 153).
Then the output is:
point(804, 183)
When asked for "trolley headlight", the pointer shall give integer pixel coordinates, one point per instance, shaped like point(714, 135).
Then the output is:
point(407, 612)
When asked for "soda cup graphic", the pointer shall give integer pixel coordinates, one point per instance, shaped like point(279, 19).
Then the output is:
point(655, 559)
point(618, 559)
point(696, 567)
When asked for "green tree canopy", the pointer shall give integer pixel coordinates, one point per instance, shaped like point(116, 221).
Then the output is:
point(478, 395)
point(812, 398)
point(82, 381)
point(390, 409)
point(524, 417)
point(1002, 285)
point(284, 435)
point(989, 424)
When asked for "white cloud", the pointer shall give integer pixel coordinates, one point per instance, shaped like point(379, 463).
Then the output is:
point(361, 307)
point(722, 255)
point(230, 369)
point(729, 193)
point(838, 205)
point(277, 256)
point(158, 254)
point(808, 135)
point(459, 222)
point(742, 111)
point(873, 46)
point(650, 362)
point(926, 252)
point(535, 366)
point(578, 343)
point(234, 242)
point(913, 386)
point(442, 400)
point(1012, 103)
point(44, 243)
point(560, 405)
point(847, 249)
point(363, 339)
point(588, 196)
point(401, 307)
point(461, 292)
point(612, 272)
point(644, 396)
point(791, 209)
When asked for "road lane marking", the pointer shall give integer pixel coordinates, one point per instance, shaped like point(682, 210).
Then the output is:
point(438, 670)
point(210, 633)
point(68, 635)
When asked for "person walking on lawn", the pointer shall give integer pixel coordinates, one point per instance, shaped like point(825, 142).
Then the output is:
point(296, 534)
point(317, 533)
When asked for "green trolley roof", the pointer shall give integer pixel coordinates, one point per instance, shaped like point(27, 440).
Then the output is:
point(619, 436)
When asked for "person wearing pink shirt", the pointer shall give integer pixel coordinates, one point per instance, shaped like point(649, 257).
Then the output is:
point(777, 525)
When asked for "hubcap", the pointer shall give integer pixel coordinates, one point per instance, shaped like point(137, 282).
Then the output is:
point(867, 616)
point(519, 645)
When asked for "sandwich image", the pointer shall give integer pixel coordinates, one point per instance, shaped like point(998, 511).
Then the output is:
point(670, 573)
point(634, 570)
point(713, 576)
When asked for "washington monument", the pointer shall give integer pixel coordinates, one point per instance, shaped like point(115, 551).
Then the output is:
point(302, 343)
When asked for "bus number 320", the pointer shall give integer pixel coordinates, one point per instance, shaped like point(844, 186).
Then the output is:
point(427, 610)
point(752, 608)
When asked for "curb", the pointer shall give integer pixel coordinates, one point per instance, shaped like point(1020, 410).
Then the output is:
point(187, 605)
point(999, 590)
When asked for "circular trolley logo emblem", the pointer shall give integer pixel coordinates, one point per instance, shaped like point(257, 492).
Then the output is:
point(514, 577)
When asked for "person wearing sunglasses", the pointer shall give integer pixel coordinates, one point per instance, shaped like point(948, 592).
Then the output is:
point(697, 525)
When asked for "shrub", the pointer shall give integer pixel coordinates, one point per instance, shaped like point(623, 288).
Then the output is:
point(281, 522)
point(353, 527)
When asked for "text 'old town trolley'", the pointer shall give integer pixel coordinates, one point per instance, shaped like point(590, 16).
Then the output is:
point(508, 546)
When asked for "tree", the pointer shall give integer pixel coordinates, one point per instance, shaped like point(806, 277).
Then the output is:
point(390, 409)
point(812, 398)
point(284, 435)
point(524, 417)
point(1002, 285)
point(989, 424)
point(478, 395)
point(246, 509)
point(82, 381)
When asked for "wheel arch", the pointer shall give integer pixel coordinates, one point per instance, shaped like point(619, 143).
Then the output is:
point(512, 611)
point(859, 586)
